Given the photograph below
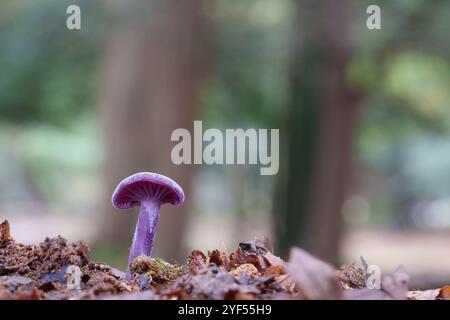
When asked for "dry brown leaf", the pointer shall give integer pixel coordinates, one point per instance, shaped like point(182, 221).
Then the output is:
point(317, 280)
point(215, 257)
point(352, 276)
point(237, 295)
point(276, 270)
point(444, 293)
point(273, 260)
point(196, 261)
point(286, 282)
point(5, 236)
point(247, 268)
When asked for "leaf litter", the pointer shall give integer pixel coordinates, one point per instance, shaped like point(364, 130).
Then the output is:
point(252, 271)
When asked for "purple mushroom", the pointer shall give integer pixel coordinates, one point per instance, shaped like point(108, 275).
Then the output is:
point(148, 191)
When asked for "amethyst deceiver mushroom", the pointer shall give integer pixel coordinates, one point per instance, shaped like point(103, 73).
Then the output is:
point(148, 191)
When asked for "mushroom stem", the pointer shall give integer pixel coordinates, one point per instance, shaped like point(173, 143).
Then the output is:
point(145, 232)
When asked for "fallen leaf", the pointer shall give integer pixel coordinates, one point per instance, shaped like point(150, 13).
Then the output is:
point(396, 284)
point(444, 293)
point(352, 276)
point(423, 295)
point(196, 261)
point(276, 270)
point(286, 282)
point(5, 235)
point(215, 257)
point(247, 268)
point(237, 295)
point(317, 280)
point(272, 260)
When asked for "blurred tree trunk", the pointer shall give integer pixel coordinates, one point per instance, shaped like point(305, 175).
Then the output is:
point(320, 131)
point(154, 67)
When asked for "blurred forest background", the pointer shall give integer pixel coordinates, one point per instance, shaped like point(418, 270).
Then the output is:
point(364, 118)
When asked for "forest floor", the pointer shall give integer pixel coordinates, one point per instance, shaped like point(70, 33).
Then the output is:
point(419, 251)
point(57, 269)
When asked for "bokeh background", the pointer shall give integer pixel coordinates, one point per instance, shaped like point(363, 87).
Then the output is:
point(364, 119)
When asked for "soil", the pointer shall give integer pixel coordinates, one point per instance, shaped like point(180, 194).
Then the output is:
point(56, 269)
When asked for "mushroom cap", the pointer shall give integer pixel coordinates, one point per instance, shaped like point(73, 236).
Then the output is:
point(141, 186)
